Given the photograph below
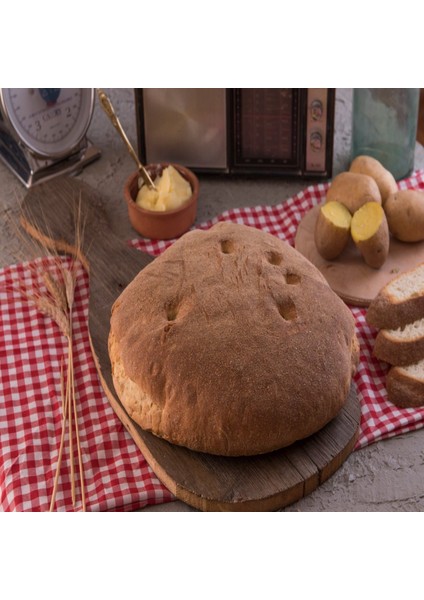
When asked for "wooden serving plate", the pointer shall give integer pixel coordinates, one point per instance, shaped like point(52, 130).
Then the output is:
point(206, 482)
point(355, 282)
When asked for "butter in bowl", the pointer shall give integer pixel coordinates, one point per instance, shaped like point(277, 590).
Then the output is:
point(167, 211)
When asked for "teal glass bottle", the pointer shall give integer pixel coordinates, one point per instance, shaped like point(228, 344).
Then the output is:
point(384, 126)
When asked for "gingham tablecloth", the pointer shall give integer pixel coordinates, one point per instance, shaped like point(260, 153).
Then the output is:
point(116, 475)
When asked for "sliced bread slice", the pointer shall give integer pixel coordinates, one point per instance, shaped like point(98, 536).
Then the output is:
point(405, 385)
point(402, 346)
point(399, 302)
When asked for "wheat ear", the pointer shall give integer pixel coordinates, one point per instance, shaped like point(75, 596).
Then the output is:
point(56, 291)
point(47, 307)
point(59, 306)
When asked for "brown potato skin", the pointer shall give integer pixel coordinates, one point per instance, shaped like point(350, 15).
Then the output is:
point(367, 165)
point(375, 250)
point(353, 190)
point(405, 215)
point(329, 239)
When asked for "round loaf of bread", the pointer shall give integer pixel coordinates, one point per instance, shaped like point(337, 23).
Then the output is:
point(231, 343)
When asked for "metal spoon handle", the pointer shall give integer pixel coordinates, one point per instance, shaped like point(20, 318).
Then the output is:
point(110, 111)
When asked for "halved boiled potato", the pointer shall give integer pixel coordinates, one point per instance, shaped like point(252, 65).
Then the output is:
point(332, 229)
point(370, 232)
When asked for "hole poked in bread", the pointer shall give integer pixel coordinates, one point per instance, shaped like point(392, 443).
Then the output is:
point(171, 309)
point(227, 246)
point(274, 258)
point(292, 278)
point(287, 309)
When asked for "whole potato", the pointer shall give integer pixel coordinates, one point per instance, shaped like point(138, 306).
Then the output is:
point(353, 190)
point(405, 215)
point(367, 165)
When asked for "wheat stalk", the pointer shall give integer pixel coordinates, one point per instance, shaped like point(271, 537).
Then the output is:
point(62, 442)
point(58, 304)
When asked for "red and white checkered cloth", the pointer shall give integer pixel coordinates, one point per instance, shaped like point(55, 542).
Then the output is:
point(116, 475)
point(32, 349)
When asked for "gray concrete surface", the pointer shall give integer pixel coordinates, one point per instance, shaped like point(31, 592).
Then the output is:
point(386, 476)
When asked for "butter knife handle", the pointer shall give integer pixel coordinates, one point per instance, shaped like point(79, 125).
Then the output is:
point(110, 111)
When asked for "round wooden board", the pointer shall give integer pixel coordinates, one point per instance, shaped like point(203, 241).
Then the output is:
point(348, 275)
point(266, 482)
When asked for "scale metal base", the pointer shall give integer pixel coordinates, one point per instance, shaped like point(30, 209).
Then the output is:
point(31, 170)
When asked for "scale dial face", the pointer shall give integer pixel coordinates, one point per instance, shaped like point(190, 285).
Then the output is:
point(49, 121)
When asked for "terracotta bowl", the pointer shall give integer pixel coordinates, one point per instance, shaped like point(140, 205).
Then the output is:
point(161, 225)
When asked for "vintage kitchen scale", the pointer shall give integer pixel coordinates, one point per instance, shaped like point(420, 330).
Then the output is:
point(43, 131)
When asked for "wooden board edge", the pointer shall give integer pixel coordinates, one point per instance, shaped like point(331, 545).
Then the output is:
point(275, 502)
point(338, 460)
point(270, 503)
point(352, 301)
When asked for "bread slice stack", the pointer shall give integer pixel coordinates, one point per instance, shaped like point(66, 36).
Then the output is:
point(398, 312)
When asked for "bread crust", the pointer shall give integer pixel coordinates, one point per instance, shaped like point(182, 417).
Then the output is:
point(396, 351)
point(386, 312)
point(403, 390)
point(231, 343)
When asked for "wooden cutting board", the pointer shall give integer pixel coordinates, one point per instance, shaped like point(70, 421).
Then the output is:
point(206, 482)
point(355, 282)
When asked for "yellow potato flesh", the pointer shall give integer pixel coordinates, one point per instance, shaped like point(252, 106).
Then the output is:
point(338, 214)
point(366, 221)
